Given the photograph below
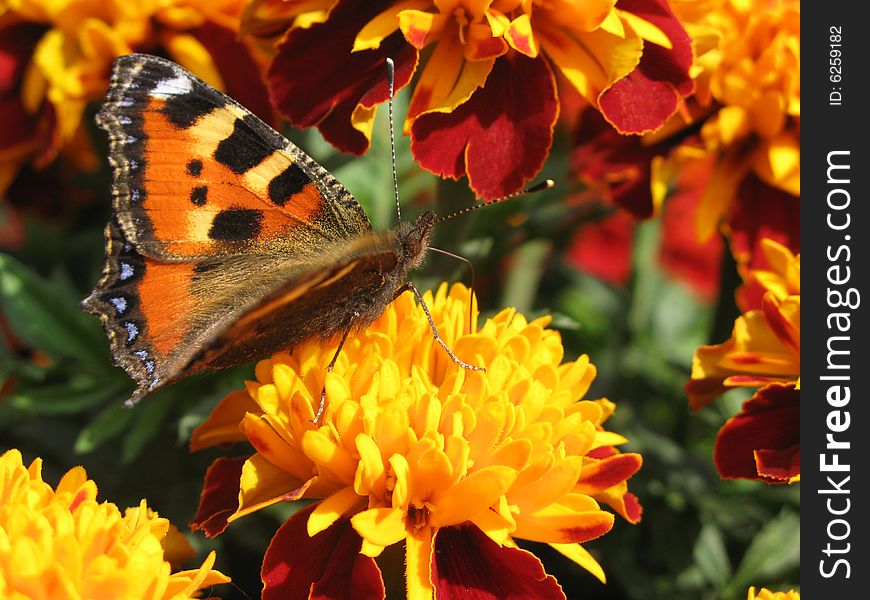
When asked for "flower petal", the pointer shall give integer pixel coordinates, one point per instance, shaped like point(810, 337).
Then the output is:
point(262, 484)
point(557, 525)
point(501, 136)
point(223, 424)
point(240, 72)
point(651, 93)
point(220, 495)
point(600, 475)
point(418, 553)
point(344, 80)
point(327, 565)
point(381, 526)
point(473, 494)
point(467, 565)
point(582, 557)
point(769, 423)
point(333, 508)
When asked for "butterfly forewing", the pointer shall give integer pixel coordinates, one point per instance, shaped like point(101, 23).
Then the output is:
point(196, 174)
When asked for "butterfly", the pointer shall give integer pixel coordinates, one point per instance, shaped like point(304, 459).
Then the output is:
point(227, 242)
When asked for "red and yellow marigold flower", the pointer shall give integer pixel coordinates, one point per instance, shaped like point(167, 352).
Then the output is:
point(62, 543)
point(486, 100)
point(413, 449)
point(741, 128)
point(55, 57)
point(765, 594)
point(763, 440)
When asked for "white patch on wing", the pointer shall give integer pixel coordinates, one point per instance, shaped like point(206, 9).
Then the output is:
point(177, 86)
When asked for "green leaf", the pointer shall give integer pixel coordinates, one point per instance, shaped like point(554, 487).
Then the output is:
point(773, 552)
point(43, 316)
point(105, 426)
point(711, 557)
point(64, 398)
point(150, 416)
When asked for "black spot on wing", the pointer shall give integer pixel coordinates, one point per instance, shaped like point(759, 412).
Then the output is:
point(199, 195)
point(184, 110)
point(194, 167)
point(248, 145)
point(289, 182)
point(236, 225)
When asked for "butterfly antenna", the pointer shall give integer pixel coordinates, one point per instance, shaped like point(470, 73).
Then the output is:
point(391, 77)
point(544, 185)
point(473, 276)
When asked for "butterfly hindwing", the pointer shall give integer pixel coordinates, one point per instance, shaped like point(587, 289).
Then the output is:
point(196, 174)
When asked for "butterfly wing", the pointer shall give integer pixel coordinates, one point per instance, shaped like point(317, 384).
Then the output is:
point(214, 212)
point(138, 300)
point(196, 174)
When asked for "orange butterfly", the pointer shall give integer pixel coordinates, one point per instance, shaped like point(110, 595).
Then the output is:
point(228, 243)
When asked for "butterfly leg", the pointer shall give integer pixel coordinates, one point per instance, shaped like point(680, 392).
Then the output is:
point(456, 359)
point(329, 368)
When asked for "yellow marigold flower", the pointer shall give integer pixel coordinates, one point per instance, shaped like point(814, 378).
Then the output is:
point(764, 594)
point(456, 464)
point(62, 543)
point(762, 441)
point(751, 77)
point(60, 53)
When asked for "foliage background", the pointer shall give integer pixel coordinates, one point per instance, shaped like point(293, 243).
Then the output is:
point(700, 537)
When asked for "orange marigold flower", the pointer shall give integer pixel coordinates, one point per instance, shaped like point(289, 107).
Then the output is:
point(742, 126)
point(456, 464)
point(765, 594)
point(486, 101)
point(763, 440)
point(55, 57)
point(62, 543)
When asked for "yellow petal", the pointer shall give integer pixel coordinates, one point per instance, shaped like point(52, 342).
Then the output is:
point(369, 476)
point(263, 484)
point(331, 509)
point(271, 447)
point(329, 456)
point(223, 425)
point(373, 32)
point(380, 526)
point(581, 556)
point(646, 30)
point(187, 51)
point(470, 496)
point(447, 80)
point(418, 556)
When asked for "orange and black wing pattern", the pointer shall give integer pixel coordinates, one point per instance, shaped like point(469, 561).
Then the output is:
point(214, 212)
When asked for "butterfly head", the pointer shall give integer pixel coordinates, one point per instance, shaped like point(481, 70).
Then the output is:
point(414, 237)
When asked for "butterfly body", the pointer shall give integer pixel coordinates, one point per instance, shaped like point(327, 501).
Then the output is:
point(227, 242)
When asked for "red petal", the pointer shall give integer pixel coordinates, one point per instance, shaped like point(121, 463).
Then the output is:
point(326, 566)
point(315, 79)
point(768, 423)
point(220, 495)
point(761, 211)
point(617, 164)
point(240, 72)
point(604, 248)
point(698, 264)
point(501, 136)
point(610, 471)
point(650, 94)
point(633, 509)
point(468, 565)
